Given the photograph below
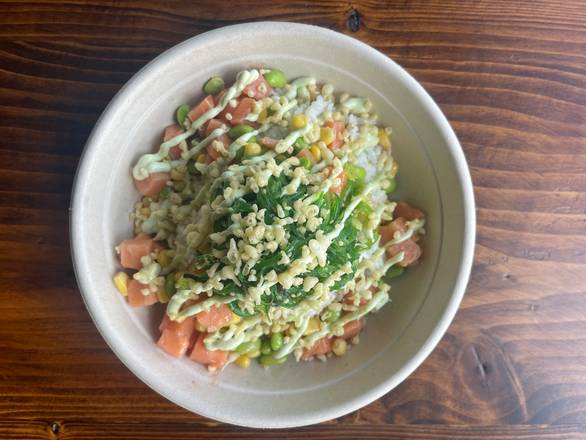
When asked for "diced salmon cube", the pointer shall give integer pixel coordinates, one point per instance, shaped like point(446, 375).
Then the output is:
point(213, 124)
point(349, 299)
point(258, 89)
point(321, 346)
point(135, 296)
point(407, 211)
point(239, 114)
point(131, 251)
point(215, 317)
point(165, 321)
point(202, 355)
point(153, 184)
point(387, 232)
point(340, 187)
point(177, 337)
point(201, 108)
point(218, 97)
point(170, 132)
point(270, 142)
point(339, 128)
point(351, 329)
point(230, 108)
point(411, 249)
point(224, 139)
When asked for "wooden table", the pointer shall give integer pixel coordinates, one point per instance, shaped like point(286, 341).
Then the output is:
point(511, 78)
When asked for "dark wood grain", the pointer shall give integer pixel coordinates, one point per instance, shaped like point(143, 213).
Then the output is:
point(510, 76)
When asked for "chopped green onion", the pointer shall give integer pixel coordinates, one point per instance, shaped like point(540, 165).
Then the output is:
point(305, 162)
point(355, 172)
point(300, 144)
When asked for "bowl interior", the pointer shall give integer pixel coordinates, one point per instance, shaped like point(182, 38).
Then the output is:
point(431, 176)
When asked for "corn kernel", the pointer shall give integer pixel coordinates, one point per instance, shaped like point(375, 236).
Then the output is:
point(262, 116)
point(383, 138)
point(235, 319)
point(201, 158)
point(253, 354)
point(339, 347)
point(312, 326)
point(175, 174)
point(121, 283)
point(316, 152)
point(327, 135)
point(163, 296)
point(394, 169)
point(243, 361)
point(252, 149)
point(299, 121)
point(164, 258)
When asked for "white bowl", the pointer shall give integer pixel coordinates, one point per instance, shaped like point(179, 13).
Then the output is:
point(433, 175)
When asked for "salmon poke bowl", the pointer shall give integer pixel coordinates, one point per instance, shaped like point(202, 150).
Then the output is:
point(277, 227)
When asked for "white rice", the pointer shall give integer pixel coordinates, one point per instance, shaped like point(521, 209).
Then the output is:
point(318, 106)
point(368, 160)
point(353, 127)
point(378, 196)
point(377, 264)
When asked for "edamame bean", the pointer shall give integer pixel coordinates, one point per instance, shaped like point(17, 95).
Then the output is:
point(248, 347)
point(269, 359)
point(265, 347)
point(239, 130)
point(275, 78)
point(213, 86)
point(395, 271)
point(392, 185)
point(181, 113)
point(276, 341)
point(331, 316)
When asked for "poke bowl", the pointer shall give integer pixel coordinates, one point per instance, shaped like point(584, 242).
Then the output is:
point(272, 192)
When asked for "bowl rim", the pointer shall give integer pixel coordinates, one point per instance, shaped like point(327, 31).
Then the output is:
point(467, 254)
